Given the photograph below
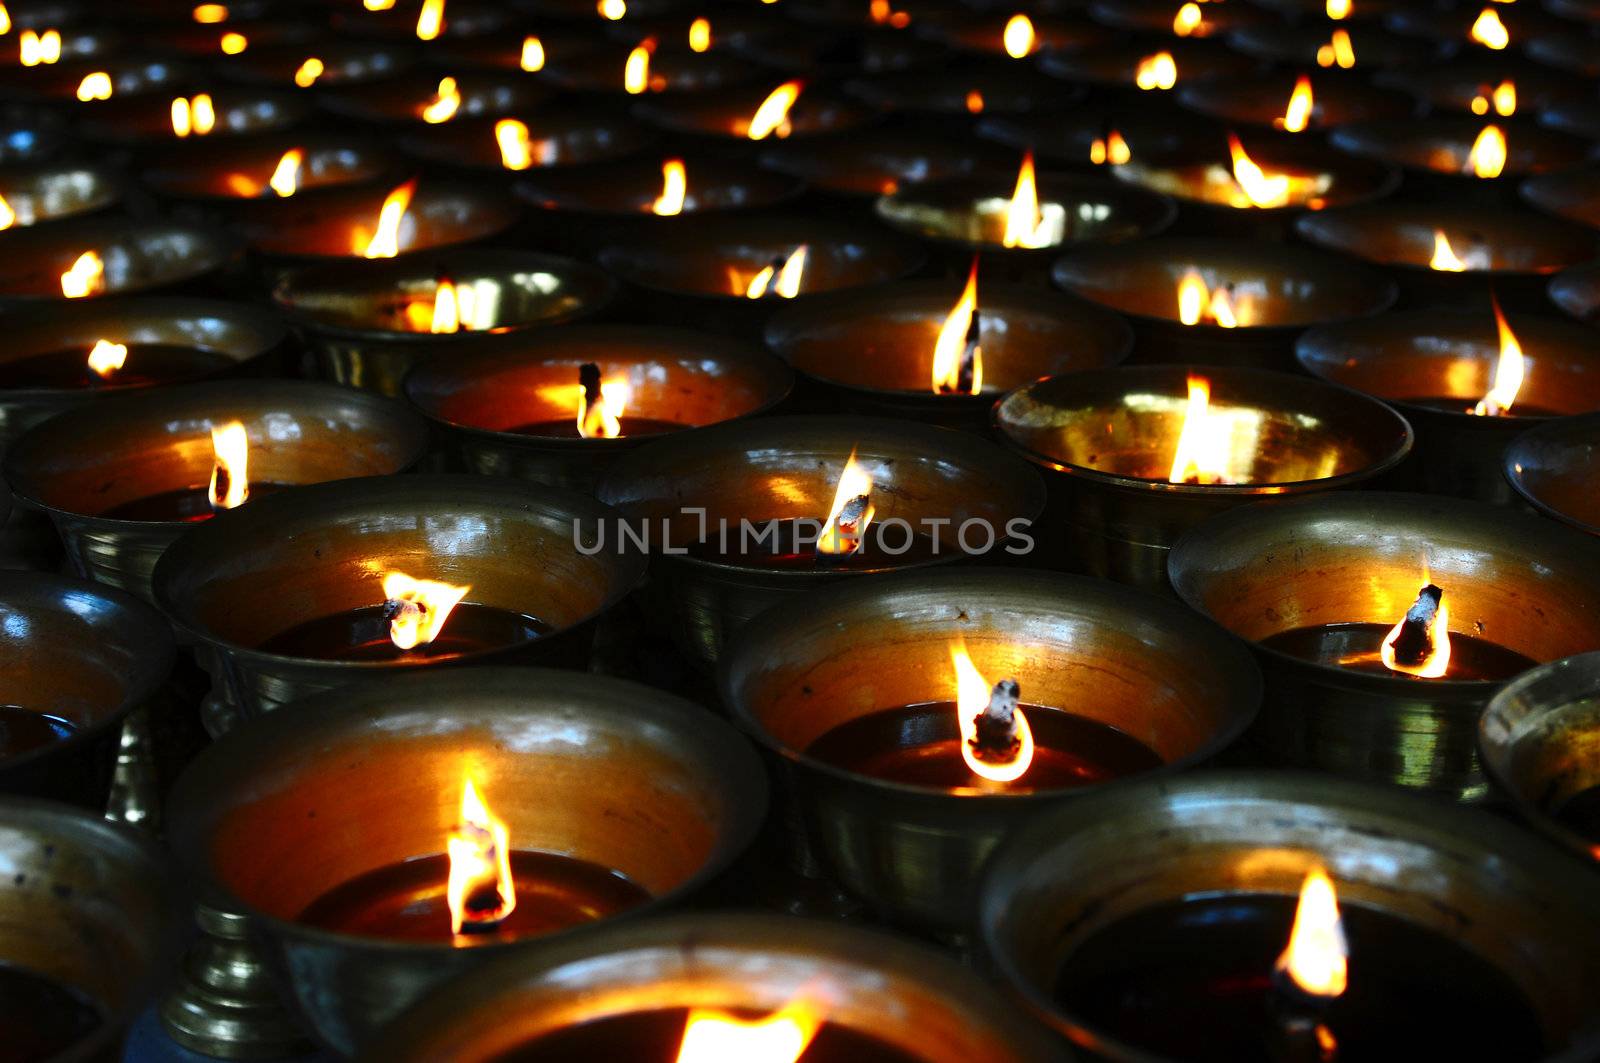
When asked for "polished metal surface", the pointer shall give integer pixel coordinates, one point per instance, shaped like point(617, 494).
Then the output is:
point(1111, 63)
point(1148, 667)
point(1199, 174)
point(336, 223)
point(898, 992)
point(1444, 144)
point(400, 101)
point(570, 135)
point(625, 191)
point(726, 114)
point(147, 119)
point(1570, 194)
point(138, 256)
point(1555, 467)
point(1520, 582)
point(42, 192)
point(1577, 292)
point(234, 173)
point(1262, 99)
point(291, 805)
point(1511, 242)
point(1462, 873)
point(344, 62)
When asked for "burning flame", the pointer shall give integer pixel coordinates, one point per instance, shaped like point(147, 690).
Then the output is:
point(712, 1036)
point(446, 102)
point(1503, 98)
point(973, 696)
point(233, 43)
point(1488, 155)
point(1260, 188)
point(1159, 71)
point(780, 280)
point(446, 309)
point(1188, 21)
point(207, 14)
point(1298, 114)
point(1025, 225)
point(612, 9)
point(773, 114)
point(956, 337)
point(674, 184)
point(193, 115)
point(700, 35)
point(1338, 51)
point(1508, 371)
point(107, 357)
point(430, 20)
point(308, 73)
point(1316, 959)
point(1338, 9)
point(377, 5)
point(603, 419)
point(1110, 148)
point(1489, 31)
point(35, 48)
point(532, 54)
point(1203, 452)
point(385, 242)
point(883, 13)
point(230, 476)
point(419, 608)
point(1436, 661)
point(1444, 256)
point(286, 175)
point(480, 892)
point(851, 512)
point(95, 86)
point(8, 217)
point(974, 101)
point(5, 20)
point(636, 72)
point(1019, 37)
point(515, 150)
point(86, 276)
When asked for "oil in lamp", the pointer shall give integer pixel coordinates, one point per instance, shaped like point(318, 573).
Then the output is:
point(1320, 585)
point(470, 845)
point(417, 100)
point(1569, 194)
point(579, 134)
point(230, 178)
point(1469, 381)
point(853, 167)
point(912, 741)
point(34, 193)
point(559, 405)
point(1146, 65)
point(322, 63)
point(752, 114)
point(1552, 467)
point(94, 257)
point(1135, 456)
point(1078, 140)
point(1252, 916)
point(1483, 29)
point(1344, 45)
point(1463, 154)
point(1293, 103)
point(1459, 84)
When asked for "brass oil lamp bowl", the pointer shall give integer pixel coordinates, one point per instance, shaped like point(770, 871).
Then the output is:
point(1553, 468)
point(293, 591)
point(615, 69)
point(1077, 139)
point(1316, 583)
point(984, 33)
point(1454, 252)
point(1569, 194)
point(229, 178)
point(122, 479)
point(849, 689)
point(892, 350)
point(460, 20)
point(100, 256)
point(730, 511)
point(88, 923)
point(339, 63)
point(327, 825)
point(730, 273)
point(1176, 899)
point(631, 992)
point(1566, 51)
point(153, 120)
point(367, 327)
point(1464, 156)
point(1160, 17)
point(1138, 455)
point(1468, 381)
point(858, 166)
point(731, 119)
point(964, 89)
point(420, 99)
point(520, 406)
point(1458, 83)
point(1273, 101)
point(1365, 46)
point(79, 660)
point(1579, 117)
point(1123, 69)
point(1458, 25)
point(45, 365)
point(40, 192)
point(1221, 302)
point(126, 74)
point(578, 134)
point(1537, 740)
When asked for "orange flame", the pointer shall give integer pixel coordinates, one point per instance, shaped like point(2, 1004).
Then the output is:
point(700, 35)
point(35, 48)
point(377, 5)
point(308, 72)
point(1338, 9)
point(423, 607)
point(636, 72)
point(95, 86)
point(532, 54)
point(773, 114)
point(8, 217)
point(5, 20)
point(1158, 71)
point(1019, 38)
point(86, 277)
point(783, 281)
point(1317, 956)
point(849, 516)
point(385, 242)
point(1110, 148)
point(973, 693)
point(1298, 114)
point(446, 309)
point(1203, 454)
point(713, 1036)
point(515, 150)
point(233, 43)
point(1437, 661)
point(1502, 98)
point(1444, 256)
point(883, 13)
point(480, 864)
point(603, 420)
point(107, 357)
point(1508, 371)
point(1488, 155)
point(974, 101)
point(446, 102)
point(1489, 31)
point(950, 349)
point(285, 177)
point(193, 115)
point(1189, 21)
point(1338, 51)
point(207, 14)
point(1260, 188)
point(230, 475)
point(1025, 225)
point(430, 20)
point(674, 186)
point(612, 9)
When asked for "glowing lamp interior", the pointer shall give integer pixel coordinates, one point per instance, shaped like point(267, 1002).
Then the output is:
point(1445, 258)
point(480, 892)
point(974, 101)
point(780, 277)
point(230, 474)
point(286, 175)
point(8, 217)
point(713, 1036)
point(700, 35)
point(1019, 38)
point(233, 43)
point(976, 699)
point(674, 187)
point(957, 356)
point(1338, 9)
point(105, 358)
point(86, 276)
point(210, 13)
point(1509, 371)
point(1419, 644)
point(772, 117)
point(1316, 959)
point(601, 405)
point(851, 512)
point(1158, 71)
point(612, 10)
point(1216, 306)
point(385, 240)
point(1262, 190)
point(1206, 452)
point(418, 608)
point(1189, 21)
point(34, 49)
point(445, 103)
point(516, 150)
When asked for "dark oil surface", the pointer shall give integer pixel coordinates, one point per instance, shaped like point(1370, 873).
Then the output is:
point(23, 729)
point(1356, 646)
point(363, 635)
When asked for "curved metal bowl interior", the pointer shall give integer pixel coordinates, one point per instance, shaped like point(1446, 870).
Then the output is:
point(238, 112)
point(1506, 240)
point(1555, 467)
point(866, 162)
point(1113, 65)
point(1299, 42)
point(401, 101)
point(136, 255)
point(292, 805)
point(240, 171)
point(556, 138)
point(1262, 100)
point(1002, 88)
point(629, 189)
point(1199, 172)
point(336, 223)
point(1443, 145)
point(42, 192)
point(344, 62)
point(1570, 194)
point(972, 211)
point(726, 114)
point(1459, 872)
point(1577, 292)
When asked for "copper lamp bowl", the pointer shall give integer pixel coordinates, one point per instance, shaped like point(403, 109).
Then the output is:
point(45, 192)
point(254, 572)
point(147, 120)
point(1520, 582)
point(137, 255)
point(599, 67)
point(368, 327)
point(1286, 289)
point(89, 905)
point(344, 62)
point(947, 89)
point(1537, 739)
point(1454, 84)
point(249, 338)
point(1301, 43)
point(1577, 291)
point(131, 74)
point(900, 993)
point(1066, 139)
point(1261, 100)
point(237, 173)
point(1147, 667)
point(1156, 16)
point(1458, 873)
point(557, 137)
point(1553, 467)
point(400, 101)
point(481, 396)
point(286, 808)
point(873, 348)
point(1112, 66)
point(88, 654)
point(867, 163)
point(984, 31)
point(84, 463)
point(1570, 194)
point(1435, 365)
point(1106, 439)
point(725, 115)
point(1442, 147)
point(788, 467)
